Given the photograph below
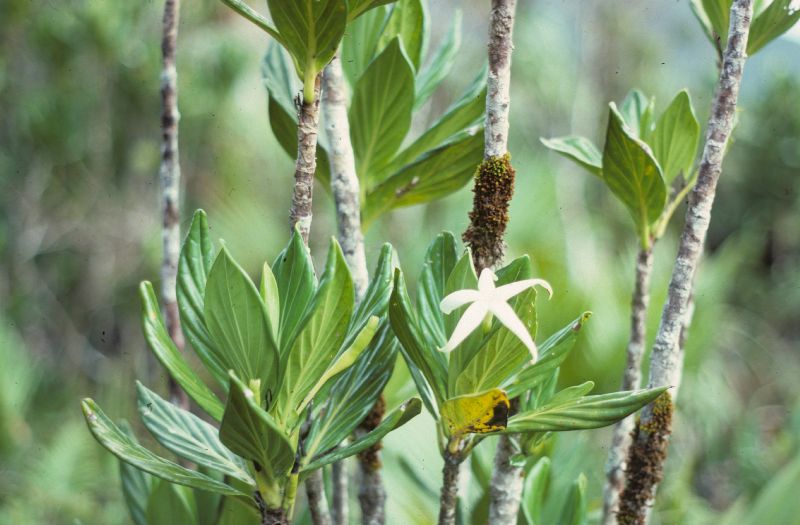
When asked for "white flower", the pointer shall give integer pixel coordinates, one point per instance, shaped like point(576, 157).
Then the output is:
point(489, 299)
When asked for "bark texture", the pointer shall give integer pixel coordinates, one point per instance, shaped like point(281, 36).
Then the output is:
point(317, 502)
point(506, 487)
point(270, 516)
point(631, 379)
point(449, 495)
point(170, 175)
point(498, 98)
point(306, 163)
point(666, 360)
point(372, 493)
point(340, 511)
point(344, 180)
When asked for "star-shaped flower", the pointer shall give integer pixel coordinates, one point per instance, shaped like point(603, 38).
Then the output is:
point(492, 300)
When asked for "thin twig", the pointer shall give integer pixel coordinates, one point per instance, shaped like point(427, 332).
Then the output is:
point(621, 440)
point(170, 175)
point(306, 163)
point(666, 360)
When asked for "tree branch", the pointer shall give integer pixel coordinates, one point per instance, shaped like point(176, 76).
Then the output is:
point(631, 379)
point(506, 486)
point(306, 163)
point(170, 175)
point(317, 502)
point(449, 495)
point(666, 360)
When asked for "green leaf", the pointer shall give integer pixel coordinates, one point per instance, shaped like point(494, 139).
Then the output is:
point(440, 259)
point(637, 112)
point(170, 504)
point(360, 43)
point(238, 322)
point(376, 298)
point(356, 8)
point(408, 21)
point(534, 490)
point(188, 436)
point(197, 256)
point(234, 511)
point(439, 66)
point(567, 412)
point(321, 338)
point(113, 439)
point(311, 31)
point(578, 149)
point(552, 353)
point(430, 362)
point(633, 175)
point(436, 174)
point(718, 13)
point(250, 432)
point(271, 296)
point(467, 112)
point(772, 22)
point(675, 138)
point(394, 419)
point(380, 111)
point(294, 273)
point(574, 512)
point(170, 357)
point(353, 394)
point(136, 484)
point(777, 501)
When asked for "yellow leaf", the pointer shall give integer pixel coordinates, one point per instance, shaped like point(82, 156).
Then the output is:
point(479, 413)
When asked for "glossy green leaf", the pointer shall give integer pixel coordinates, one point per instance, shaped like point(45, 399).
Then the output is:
point(718, 13)
point(353, 393)
point(440, 259)
point(552, 353)
point(632, 174)
point(321, 338)
point(675, 138)
point(118, 443)
point(250, 432)
point(534, 490)
point(197, 256)
point(188, 436)
point(360, 43)
point(311, 31)
point(440, 64)
point(436, 174)
point(637, 112)
point(294, 273)
point(380, 111)
point(238, 322)
point(136, 484)
point(408, 21)
point(574, 511)
point(578, 149)
point(170, 357)
point(394, 419)
point(376, 298)
point(777, 18)
point(271, 296)
point(170, 504)
point(357, 8)
point(466, 113)
point(567, 412)
point(429, 361)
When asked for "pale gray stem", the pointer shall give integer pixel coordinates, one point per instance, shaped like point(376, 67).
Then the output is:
point(170, 175)
point(506, 486)
point(498, 85)
point(317, 502)
point(372, 496)
point(340, 511)
point(344, 180)
point(449, 496)
point(666, 359)
point(306, 163)
point(631, 379)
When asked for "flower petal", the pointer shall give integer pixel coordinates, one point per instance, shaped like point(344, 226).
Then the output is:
point(472, 319)
point(506, 315)
point(458, 299)
point(507, 291)
point(486, 281)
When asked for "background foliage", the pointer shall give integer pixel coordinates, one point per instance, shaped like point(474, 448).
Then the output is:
point(79, 228)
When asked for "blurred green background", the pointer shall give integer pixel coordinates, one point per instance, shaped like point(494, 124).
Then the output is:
point(79, 228)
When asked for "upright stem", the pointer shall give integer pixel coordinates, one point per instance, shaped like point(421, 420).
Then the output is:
point(654, 426)
point(449, 495)
point(498, 85)
point(506, 487)
point(170, 175)
point(372, 493)
point(306, 164)
point(621, 441)
point(340, 511)
point(317, 502)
